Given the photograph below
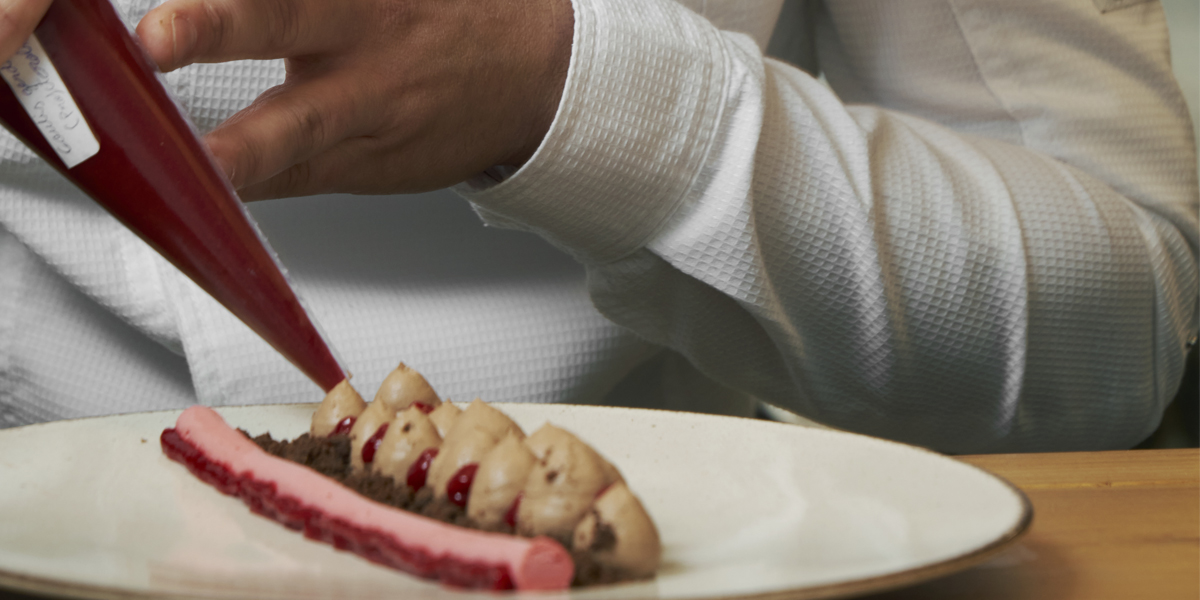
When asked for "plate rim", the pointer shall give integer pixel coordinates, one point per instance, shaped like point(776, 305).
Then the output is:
point(33, 584)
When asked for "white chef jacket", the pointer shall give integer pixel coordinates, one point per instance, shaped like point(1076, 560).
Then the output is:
point(979, 235)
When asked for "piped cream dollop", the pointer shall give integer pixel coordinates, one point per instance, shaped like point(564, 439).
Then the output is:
point(473, 434)
point(402, 388)
point(408, 435)
point(499, 480)
point(618, 532)
point(443, 417)
point(557, 485)
point(341, 402)
point(564, 480)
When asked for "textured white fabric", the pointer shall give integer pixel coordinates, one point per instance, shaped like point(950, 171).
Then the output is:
point(63, 354)
point(983, 239)
point(482, 312)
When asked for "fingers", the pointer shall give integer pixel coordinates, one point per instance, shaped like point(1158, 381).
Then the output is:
point(329, 171)
point(17, 20)
point(288, 125)
point(356, 166)
point(181, 32)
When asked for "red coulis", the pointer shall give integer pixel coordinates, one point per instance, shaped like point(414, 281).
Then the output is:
point(459, 487)
point(419, 470)
point(369, 448)
point(510, 517)
point(344, 426)
point(425, 408)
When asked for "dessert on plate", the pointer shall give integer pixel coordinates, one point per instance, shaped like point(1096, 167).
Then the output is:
point(459, 494)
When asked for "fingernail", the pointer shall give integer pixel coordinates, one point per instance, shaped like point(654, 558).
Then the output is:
point(226, 168)
point(183, 38)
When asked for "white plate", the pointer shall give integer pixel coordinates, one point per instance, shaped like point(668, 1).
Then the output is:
point(91, 508)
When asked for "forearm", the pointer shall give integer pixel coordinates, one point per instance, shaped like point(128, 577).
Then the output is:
point(864, 267)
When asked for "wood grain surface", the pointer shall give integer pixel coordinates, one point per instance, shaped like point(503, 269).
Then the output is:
point(1107, 525)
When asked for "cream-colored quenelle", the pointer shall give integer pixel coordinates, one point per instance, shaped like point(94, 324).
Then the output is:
point(500, 478)
point(341, 402)
point(473, 434)
point(400, 389)
point(403, 386)
point(409, 434)
point(566, 490)
point(444, 416)
point(634, 545)
point(562, 483)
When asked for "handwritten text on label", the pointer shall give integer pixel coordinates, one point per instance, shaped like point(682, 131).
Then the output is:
point(36, 84)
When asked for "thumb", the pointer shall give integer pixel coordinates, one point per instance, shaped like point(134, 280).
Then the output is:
point(17, 20)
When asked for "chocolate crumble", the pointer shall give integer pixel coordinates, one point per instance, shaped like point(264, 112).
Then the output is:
point(330, 456)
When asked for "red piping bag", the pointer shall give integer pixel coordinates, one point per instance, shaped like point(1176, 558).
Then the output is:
point(83, 94)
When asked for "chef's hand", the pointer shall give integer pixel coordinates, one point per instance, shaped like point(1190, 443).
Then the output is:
point(381, 96)
point(17, 20)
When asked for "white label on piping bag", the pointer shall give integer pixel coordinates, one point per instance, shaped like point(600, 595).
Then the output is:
point(36, 84)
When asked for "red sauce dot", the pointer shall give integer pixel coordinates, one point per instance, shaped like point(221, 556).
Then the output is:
point(425, 408)
point(344, 426)
point(420, 469)
point(369, 448)
point(510, 517)
point(460, 484)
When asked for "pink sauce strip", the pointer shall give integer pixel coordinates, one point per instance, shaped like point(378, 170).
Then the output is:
point(325, 510)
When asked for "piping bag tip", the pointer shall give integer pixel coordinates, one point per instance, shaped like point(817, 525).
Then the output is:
point(119, 136)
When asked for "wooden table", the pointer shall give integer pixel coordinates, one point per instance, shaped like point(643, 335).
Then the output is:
point(1120, 525)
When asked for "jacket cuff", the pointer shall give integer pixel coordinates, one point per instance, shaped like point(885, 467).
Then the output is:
point(640, 107)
